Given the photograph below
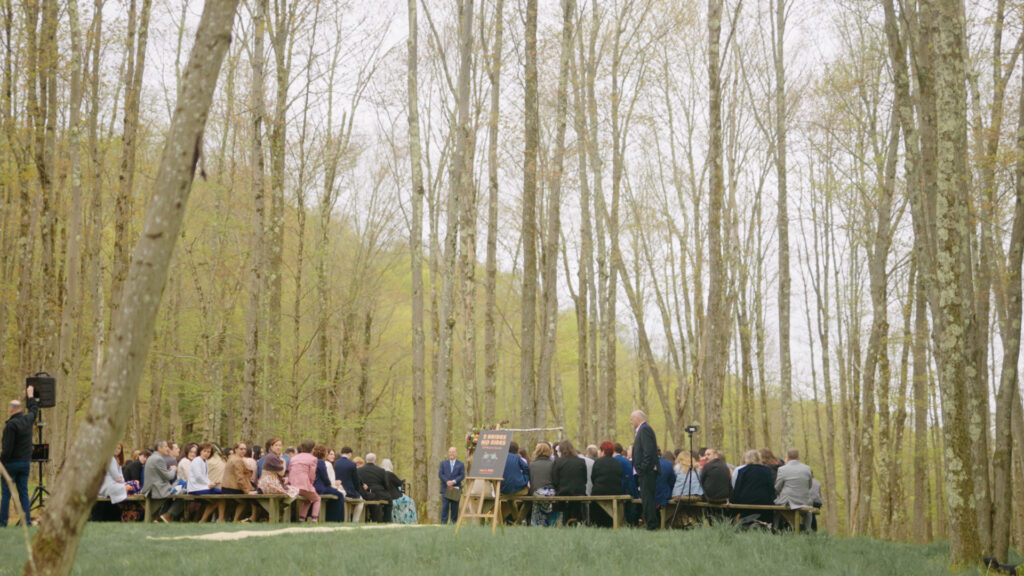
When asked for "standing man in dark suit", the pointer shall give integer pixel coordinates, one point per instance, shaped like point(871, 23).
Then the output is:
point(645, 462)
point(452, 473)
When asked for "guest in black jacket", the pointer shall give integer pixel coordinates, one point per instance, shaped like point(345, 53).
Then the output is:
point(16, 453)
point(715, 477)
point(606, 478)
point(754, 484)
point(569, 478)
point(379, 487)
point(133, 470)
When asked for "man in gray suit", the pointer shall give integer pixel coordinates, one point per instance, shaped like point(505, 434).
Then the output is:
point(158, 483)
point(793, 484)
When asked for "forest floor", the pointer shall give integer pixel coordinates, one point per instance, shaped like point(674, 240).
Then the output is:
point(134, 549)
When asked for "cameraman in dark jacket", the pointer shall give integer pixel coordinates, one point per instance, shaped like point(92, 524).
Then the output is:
point(16, 454)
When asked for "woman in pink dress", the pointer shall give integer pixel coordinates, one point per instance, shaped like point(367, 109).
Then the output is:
point(301, 475)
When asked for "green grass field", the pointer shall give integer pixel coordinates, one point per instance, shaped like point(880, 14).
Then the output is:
point(138, 549)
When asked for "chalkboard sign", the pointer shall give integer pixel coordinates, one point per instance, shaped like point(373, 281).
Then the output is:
point(491, 454)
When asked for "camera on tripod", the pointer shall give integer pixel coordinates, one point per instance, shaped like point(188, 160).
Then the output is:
point(691, 429)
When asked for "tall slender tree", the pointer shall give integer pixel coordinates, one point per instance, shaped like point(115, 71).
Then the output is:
point(254, 307)
point(56, 542)
point(419, 414)
point(491, 271)
point(715, 342)
point(528, 328)
point(782, 219)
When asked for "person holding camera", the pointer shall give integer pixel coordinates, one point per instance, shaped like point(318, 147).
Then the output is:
point(16, 454)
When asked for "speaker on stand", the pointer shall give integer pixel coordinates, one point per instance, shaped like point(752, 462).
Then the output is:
point(44, 388)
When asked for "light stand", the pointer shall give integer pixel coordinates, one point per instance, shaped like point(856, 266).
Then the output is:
point(39, 493)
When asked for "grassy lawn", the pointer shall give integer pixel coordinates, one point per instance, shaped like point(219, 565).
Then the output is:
point(132, 550)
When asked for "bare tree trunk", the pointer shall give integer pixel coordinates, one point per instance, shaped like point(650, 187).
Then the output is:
point(820, 275)
point(1007, 398)
point(298, 348)
point(56, 542)
point(135, 54)
point(419, 412)
point(877, 357)
point(922, 491)
point(48, 293)
point(715, 341)
point(327, 389)
point(138, 33)
point(585, 386)
point(25, 314)
point(597, 281)
point(461, 177)
point(99, 331)
point(545, 381)
point(254, 307)
point(759, 331)
point(610, 216)
point(527, 374)
point(636, 304)
point(364, 391)
point(894, 511)
point(782, 222)
point(490, 338)
point(67, 357)
point(8, 242)
point(987, 207)
point(283, 19)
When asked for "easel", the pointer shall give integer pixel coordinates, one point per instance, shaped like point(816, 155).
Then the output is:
point(478, 494)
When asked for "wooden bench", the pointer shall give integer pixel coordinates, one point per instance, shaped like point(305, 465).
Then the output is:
point(355, 508)
point(792, 515)
point(273, 501)
point(613, 505)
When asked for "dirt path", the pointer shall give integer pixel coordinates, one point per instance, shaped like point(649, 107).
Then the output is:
point(241, 534)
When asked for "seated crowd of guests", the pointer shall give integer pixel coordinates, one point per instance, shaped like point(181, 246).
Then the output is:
point(607, 470)
point(304, 473)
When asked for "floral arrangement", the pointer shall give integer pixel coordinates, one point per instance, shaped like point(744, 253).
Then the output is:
point(473, 436)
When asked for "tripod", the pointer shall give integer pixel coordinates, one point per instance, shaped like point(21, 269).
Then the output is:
point(39, 493)
point(689, 474)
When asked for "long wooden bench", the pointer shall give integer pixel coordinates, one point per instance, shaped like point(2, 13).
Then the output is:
point(613, 505)
point(355, 508)
point(278, 505)
point(792, 515)
point(273, 502)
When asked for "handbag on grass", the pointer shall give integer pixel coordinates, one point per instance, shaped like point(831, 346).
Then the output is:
point(453, 493)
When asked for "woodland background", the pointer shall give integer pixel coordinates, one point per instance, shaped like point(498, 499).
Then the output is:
point(739, 215)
